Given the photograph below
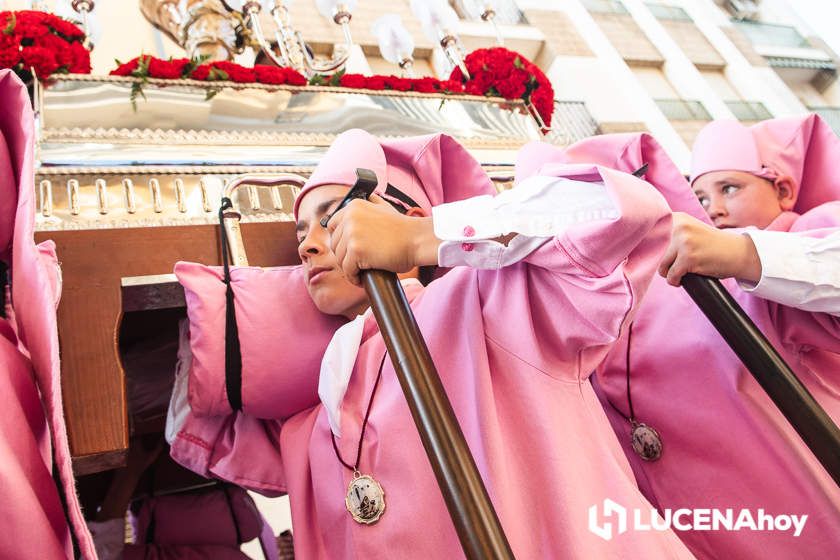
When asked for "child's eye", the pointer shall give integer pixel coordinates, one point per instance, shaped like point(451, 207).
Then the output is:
point(729, 189)
point(704, 201)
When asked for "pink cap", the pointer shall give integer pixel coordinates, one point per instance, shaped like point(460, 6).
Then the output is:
point(430, 169)
point(803, 148)
point(727, 145)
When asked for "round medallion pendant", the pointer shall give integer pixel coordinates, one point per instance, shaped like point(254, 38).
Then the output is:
point(646, 442)
point(365, 499)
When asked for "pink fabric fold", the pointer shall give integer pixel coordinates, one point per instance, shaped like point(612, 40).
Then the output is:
point(725, 445)
point(34, 283)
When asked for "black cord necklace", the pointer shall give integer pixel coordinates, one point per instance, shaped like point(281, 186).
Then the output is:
point(645, 440)
point(365, 499)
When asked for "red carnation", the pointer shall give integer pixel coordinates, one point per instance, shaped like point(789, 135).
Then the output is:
point(397, 83)
point(167, 69)
point(511, 89)
point(30, 30)
point(375, 82)
point(356, 81)
point(235, 72)
point(456, 75)
point(66, 29)
point(452, 86)
point(81, 59)
point(59, 47)
point(200, 73)
point(39, 58)
point(9, 50)
point(474, 88)
point(126, 68)
point(266, 74)
point(425, 85)
point(33, 17)
point(295, 78)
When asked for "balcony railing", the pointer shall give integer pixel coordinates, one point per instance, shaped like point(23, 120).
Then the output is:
point(769, 34)
point(674, 13)
point(507, 12)
point(682, 110)
point(749, 110)
point(831, 115)
point(571, 122)
point(605, 6)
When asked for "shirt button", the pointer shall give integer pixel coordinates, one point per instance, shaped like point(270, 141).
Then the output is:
point(469, 231)
point(467, 246)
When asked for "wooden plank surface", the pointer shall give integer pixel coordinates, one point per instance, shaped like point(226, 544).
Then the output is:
point(93, 262)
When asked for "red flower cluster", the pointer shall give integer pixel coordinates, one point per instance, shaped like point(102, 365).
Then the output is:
point(146, 66)
point(395, 83)
point(43, 42)
point(500, 72)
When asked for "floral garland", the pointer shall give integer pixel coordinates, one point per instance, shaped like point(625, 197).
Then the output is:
point(493, 72)
point(146, 66)
point(500, 72)
point(43, 42)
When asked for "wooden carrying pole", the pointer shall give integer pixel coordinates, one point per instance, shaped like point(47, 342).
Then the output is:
point(765, 364)
point(476, 522)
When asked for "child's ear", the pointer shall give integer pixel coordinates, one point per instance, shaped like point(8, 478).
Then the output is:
point(416, 212)
point(786, 191)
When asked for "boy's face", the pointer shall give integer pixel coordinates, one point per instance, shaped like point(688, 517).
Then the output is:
point(738, 199)
point(329, 289)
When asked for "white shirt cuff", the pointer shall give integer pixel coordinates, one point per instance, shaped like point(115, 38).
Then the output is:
point(536, 210)
point(797, 270)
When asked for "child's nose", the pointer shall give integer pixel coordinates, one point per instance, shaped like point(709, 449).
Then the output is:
point(716, 207)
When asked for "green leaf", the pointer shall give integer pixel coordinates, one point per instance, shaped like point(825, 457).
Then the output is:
point(317, 80)
point(194, 63)
point(442, 101)
point(117, 60)
point(335, 79)
point(217, 75)
point(136, 91)
point(211, 93)
point(142, 70)
point(11, 22)
point(517, 63)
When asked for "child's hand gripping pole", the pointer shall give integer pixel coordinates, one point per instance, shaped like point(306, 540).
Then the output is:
point(466, 497)
point(790, 396)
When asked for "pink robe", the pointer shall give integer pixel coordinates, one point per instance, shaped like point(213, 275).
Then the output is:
point(725, 444)
point(514, 348)
point(32, 425)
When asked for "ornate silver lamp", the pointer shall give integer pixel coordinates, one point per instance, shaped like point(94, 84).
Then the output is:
point(440, 25)
point(395, 42)
point(293, 49)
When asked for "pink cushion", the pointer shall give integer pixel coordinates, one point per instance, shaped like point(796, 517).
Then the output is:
point(282, 337)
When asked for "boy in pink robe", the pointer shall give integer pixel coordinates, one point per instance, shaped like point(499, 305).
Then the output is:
point(724, 444)
point(545, 278)
point(32, 430)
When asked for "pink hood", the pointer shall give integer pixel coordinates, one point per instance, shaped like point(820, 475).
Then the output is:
point(33, 287)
